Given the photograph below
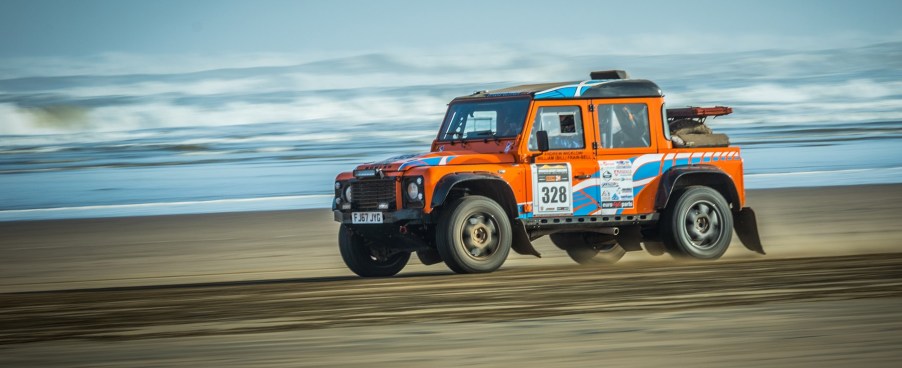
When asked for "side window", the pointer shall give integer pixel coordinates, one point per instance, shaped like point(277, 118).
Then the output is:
point(564, 125)
point(623, 125)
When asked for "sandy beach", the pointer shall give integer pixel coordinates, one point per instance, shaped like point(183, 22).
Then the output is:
point(137, 251)
point(137, 291)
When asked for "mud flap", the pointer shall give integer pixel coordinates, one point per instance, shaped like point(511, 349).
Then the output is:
point(746, 226)
point(520, 242)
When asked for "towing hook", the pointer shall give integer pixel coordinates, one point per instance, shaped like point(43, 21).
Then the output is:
point(403, 229)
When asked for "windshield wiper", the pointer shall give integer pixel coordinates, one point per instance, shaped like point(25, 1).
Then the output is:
point(486, 135)
point(482, 133)
point(452, 134)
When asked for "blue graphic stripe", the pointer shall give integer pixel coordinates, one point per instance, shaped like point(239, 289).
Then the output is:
point(431, 161)
point(563, 92)
point(584, 203)
point(580, 198)
point(636, 191)
point(648, 170)
point(569, 91)
point(667, 165)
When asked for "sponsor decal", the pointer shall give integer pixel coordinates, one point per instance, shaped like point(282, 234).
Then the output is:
point(616, 184)
point(606, 195)
point(616, 204)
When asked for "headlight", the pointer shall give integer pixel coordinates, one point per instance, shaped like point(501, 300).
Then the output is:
point(413, 191)
point(348, 195)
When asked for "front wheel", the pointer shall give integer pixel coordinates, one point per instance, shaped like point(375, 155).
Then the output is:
point(698, 225)
point(474, 235)
point(367, 260)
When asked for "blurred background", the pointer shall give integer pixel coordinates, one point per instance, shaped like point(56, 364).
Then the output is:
point(114, 108)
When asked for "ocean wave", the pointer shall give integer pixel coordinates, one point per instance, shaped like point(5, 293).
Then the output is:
point(802, 141)
point(274, 149)
point(42, 138)
point(858, 84)
point(300, 122)
point(29, 150)
point(270, 138)
point(209, 153)
point(24, 168)
point(826, 177)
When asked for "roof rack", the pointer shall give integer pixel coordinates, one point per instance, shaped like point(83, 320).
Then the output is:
point(698, 112)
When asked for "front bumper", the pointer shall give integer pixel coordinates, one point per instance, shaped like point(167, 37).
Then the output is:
point(410, 216)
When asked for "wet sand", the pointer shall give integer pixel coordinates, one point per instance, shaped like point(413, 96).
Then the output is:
point(135, 251)
point(269, 289)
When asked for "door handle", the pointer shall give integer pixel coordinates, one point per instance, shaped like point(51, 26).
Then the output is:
point(582, 176)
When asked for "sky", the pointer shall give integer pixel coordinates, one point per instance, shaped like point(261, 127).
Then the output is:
point(45, 28)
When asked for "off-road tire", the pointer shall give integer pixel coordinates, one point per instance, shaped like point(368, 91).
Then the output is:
point(655, 248)
point(362, 258)
point(473, 235)
point(698, 224)
point(429, 257)
point(589, 248)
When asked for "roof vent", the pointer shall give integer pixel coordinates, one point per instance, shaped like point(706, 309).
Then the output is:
point(609, 74)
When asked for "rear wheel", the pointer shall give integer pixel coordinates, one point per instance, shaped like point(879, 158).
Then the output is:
point(589, 248)
point(698, 224)
point(474, 235)
point(366, 259)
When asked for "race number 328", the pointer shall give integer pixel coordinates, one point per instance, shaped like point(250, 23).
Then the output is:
point(551, 188)
point(555, 194)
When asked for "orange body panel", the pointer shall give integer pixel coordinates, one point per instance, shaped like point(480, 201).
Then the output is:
point(589, 163)
point(601, 181)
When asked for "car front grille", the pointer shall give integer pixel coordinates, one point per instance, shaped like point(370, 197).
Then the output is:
point(368, 194)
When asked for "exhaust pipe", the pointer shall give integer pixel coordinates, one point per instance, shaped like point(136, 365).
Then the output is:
point(608, 230)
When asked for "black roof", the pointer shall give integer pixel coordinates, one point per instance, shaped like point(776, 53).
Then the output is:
point(616, 88)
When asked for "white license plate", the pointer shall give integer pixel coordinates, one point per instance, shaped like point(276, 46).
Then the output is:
point(366, 217)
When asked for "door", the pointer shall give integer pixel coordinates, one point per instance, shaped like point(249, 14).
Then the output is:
point(624, 145)
point(562, 177)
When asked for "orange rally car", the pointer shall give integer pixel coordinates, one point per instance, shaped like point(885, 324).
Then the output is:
point(600, 166)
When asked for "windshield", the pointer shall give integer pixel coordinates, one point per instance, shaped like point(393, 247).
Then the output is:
point(484, 119)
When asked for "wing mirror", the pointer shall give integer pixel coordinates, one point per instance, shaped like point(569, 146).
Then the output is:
point(542, 140)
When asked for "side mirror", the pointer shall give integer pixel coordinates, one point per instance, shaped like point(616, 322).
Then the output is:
point(542, 140)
